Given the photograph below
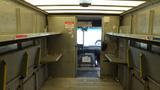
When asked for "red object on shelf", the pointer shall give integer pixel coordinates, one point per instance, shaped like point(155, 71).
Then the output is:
point(68, 22)
point(21, 36)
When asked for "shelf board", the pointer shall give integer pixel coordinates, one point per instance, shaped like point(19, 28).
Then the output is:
point(9, 39)
point(51, 58)
point(114, 59)
point(151, 39)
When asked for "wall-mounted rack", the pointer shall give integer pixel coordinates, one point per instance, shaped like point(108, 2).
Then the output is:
point(149, 39)
point(16, 38)
point(50, 58)
point(114, 59)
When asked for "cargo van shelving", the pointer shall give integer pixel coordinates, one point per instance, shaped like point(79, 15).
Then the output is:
point(14, 38)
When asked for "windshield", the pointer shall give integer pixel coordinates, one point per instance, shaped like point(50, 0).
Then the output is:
point(92, 37)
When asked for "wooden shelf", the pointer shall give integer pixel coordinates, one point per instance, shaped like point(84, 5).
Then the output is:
point(9, 39)
point(51, 58)
point(142, 38)
point(114, 59)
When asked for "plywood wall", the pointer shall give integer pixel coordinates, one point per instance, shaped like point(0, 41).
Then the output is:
point(143, 21)
point(16, 18)
point(125, 26)
point(156, 20)
point(111, 23)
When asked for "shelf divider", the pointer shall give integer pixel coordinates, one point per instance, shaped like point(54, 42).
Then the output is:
point(51, 58)
point(113, 59)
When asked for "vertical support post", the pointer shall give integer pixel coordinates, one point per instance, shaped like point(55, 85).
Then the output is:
point(151, 18)
point(18, 19)
point(142, 66)
point(129, 62)
point(143, 71)
point(3, 75)
point(36, 80)
point(131, 24)
point(38, 56)
point(24, 69)
point(37, 63)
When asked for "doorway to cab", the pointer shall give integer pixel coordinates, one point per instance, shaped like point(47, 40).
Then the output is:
point(89, 33)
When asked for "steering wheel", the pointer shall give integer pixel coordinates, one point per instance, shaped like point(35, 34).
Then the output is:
point(98, 43)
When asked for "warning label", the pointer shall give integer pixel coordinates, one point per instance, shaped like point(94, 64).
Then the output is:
point(69, 25)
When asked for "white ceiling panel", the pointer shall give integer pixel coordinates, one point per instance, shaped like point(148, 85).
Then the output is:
point(93, 2)
point(117, 3)
point(98, 6)
point(53, 2)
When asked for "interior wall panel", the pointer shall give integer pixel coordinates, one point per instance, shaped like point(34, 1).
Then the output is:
point(7, 18)
point(41, 23)
point(134, 23)
point(26, 19)
point(143, 22)
point(111, 23)
point(16, 18)
point(125, 25)
point(156, 21)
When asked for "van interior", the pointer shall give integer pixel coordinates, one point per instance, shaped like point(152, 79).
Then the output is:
point(79, 44)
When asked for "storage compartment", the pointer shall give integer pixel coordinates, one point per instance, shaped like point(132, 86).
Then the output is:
point(30, 83)
point(14, 85)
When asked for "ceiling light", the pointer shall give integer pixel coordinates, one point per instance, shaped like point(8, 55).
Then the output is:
point(117, 3)
point(93, 2)
point(53, 2)
point(86, 12)
point(84, 8)
point(85, 3)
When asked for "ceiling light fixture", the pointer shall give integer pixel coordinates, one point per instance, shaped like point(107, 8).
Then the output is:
point(85, 3)
point(86, 12)
point(118, 2)
point(93, 2)
point(53, 2)
point(84, 8)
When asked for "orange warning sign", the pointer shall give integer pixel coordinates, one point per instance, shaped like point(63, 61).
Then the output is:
point(69, 25)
